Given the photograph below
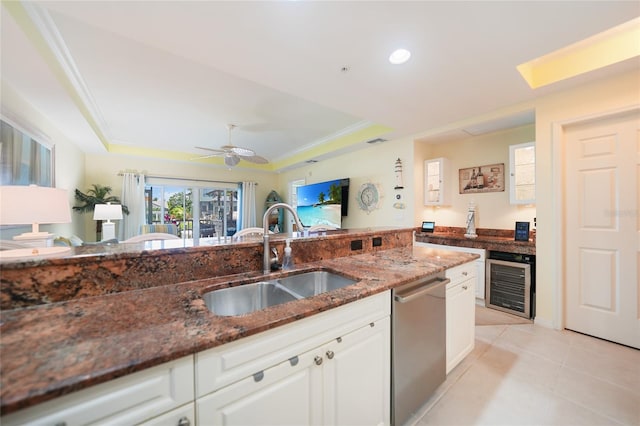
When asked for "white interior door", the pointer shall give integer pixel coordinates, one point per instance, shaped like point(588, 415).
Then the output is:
point(602, 228)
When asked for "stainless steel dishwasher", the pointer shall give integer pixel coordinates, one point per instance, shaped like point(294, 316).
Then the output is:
point(418, 350)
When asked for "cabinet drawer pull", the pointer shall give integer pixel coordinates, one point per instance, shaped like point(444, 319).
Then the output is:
point(330, 354)
point(258, 376)
point(318, 360)
point(184, 421)
point(465, 273)
point(339, 339)
point(464, 287)
point(294, 361)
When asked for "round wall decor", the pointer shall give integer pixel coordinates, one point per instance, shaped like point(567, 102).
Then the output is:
point(368, 197)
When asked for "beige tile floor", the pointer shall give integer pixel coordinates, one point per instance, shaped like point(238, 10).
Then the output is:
point(524, 374)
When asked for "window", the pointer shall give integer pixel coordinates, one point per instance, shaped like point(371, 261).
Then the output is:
point(23, 160)
point(198, 211)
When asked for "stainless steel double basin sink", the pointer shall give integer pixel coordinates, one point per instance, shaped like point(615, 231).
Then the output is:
point(247, 298)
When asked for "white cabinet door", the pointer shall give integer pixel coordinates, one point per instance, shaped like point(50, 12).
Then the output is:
point(131, 399)
point(435, 182)
point(357, 377)
point(344, 382)
point(289, 393)
point(522, 173)
point(460, 322)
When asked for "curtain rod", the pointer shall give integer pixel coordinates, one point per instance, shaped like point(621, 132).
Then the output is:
point(180, 178)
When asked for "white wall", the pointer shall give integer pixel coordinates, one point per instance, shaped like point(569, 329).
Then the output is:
point(68, 164)
point(603, 97)
point(493, 209)
point(372, 164)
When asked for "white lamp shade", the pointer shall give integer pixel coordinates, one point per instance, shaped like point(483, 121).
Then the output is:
point(21, 205)
point(107, 212)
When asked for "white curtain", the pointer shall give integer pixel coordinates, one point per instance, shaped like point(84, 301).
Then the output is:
point(133, 198)
point(248, 213)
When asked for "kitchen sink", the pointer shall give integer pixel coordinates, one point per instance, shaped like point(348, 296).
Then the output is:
point(313, 283)
point(247, 298)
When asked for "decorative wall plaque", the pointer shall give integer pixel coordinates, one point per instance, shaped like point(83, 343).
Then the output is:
point(489, 178)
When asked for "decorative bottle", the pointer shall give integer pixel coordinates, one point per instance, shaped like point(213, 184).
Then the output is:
point(480, 179)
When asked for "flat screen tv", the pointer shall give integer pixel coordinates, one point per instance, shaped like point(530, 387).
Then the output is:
point(323, 203)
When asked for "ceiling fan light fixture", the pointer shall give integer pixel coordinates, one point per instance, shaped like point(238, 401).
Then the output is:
point(231, 160)
point(232, 154)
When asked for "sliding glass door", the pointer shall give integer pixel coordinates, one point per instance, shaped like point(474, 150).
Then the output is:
point(198, 212)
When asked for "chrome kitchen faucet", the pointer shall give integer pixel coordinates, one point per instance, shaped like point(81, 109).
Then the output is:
point(265, 237)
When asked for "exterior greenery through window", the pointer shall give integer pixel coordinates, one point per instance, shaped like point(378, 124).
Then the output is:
point(197, 211)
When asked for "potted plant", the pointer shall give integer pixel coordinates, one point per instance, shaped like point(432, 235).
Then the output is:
point(97, 194)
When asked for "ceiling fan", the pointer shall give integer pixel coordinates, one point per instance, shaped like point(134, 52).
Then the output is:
point(233, 154)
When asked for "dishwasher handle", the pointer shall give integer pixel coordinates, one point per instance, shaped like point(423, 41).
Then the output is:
point(420, 291)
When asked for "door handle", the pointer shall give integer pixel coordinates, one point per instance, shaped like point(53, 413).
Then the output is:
point(420, 291)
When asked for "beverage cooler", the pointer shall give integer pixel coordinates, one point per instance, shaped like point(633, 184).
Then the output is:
point(511, 283)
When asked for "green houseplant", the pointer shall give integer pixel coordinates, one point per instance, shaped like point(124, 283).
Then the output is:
point(97, 194)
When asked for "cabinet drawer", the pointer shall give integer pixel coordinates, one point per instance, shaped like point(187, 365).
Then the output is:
point(461, 273)
point(179, 416)
point(234, 361)
point(460, 287)
point(128, 400)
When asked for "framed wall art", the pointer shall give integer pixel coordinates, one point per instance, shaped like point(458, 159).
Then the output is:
point(489, 178)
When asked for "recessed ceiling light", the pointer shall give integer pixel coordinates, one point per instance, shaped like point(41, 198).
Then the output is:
point(399, 56)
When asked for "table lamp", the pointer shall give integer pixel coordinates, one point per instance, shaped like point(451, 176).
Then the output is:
point(35, 205)
point(108, 212)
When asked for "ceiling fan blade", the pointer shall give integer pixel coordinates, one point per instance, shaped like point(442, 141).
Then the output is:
point(237, 150)
point(220, 151)
point(202, 157)
point(256, 159)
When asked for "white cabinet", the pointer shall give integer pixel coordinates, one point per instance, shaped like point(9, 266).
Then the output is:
point(480, 264)
point(158, 395)
point(522, 173)
point(331, 368)
point(343, 382)
point(435, 182)
point(460, 313)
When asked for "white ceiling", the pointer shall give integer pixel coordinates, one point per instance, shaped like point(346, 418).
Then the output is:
point(171, 75)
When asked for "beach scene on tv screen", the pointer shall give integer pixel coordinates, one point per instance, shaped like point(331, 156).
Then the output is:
point(320, 204)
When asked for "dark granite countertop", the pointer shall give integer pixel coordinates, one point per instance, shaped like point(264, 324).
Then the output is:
point(53, 349)
point(497, 240)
